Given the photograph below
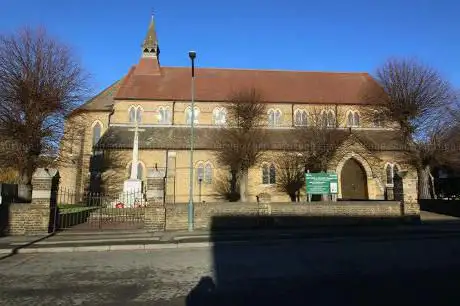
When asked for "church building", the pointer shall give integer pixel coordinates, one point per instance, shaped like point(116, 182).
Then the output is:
point(155, 100)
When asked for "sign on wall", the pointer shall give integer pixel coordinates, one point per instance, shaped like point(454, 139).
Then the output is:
point(321, 183)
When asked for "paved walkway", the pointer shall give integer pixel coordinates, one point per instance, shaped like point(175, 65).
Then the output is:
point(73, 241)
point(427, 217)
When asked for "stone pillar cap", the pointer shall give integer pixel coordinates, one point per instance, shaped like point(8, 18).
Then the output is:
point(156, 174)
point(45, 173)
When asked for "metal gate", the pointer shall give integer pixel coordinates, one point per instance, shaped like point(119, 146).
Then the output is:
point(97, 211)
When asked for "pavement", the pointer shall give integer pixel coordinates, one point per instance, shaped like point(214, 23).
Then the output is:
point(432, 225)
point(350, 271)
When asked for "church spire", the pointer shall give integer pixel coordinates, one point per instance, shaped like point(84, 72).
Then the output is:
point(150, 46)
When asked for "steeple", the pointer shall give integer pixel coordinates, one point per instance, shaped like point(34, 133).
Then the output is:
point(150, 46)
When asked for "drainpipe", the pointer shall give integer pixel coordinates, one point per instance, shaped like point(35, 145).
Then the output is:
point(292, 114)
point(110, 115)
point(173, 111)
point(166, 177)
point(336, 117)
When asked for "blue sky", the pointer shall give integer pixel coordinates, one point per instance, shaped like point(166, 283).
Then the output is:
point(326, 35)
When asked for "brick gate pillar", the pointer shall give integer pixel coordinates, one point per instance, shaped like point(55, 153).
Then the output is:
point(410, 208)
point(38, 217)
point(155, 212)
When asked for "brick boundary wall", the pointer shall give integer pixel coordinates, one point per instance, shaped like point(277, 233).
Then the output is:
point(247, 215)
point(28, 219)
point(35, 218)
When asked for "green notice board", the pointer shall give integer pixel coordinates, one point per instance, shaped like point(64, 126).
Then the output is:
point(321, 183)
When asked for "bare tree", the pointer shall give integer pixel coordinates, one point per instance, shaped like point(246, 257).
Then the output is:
point(240, 143)
point(320, 140)
point(223, 188)
point(40, 82)
point(291, 174)
point(322, 137)
point(416, 97)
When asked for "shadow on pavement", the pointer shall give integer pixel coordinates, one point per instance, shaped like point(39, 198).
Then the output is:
point(15, 250)
point(235, 282)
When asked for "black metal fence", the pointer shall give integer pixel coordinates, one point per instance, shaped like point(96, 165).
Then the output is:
point(9, 193)
point(98, 211)
point(447, 188)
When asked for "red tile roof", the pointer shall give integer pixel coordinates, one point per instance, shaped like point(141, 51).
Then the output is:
point(215, 84)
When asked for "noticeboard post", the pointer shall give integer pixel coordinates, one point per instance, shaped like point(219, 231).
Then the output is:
point(321, 183)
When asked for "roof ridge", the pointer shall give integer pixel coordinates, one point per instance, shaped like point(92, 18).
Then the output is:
point(102, 92)
point(272, 70)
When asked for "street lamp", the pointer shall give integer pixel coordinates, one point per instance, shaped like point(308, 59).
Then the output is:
point(192, 56)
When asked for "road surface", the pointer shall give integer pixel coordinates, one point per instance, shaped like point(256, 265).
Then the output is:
point(352, 271)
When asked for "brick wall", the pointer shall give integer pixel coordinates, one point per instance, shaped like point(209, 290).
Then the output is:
point(247, 215)
point(28, 219)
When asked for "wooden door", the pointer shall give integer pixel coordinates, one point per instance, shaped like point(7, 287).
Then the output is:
point(353, 181)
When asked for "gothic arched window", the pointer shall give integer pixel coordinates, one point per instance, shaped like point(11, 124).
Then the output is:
point(268, 174)
point(265, 174)
point(188, 115)
point(300, 117)
point(219, 116)
point(138, 115)
point(389, 174)
point(164, 115)
point(132, 115)
point(356, 117)
point(135, 114)
point(330, 119)
point(378, 119)
point(272, 174)
point(274, 117)
point(140, 170)
point(350, 119)
point(97, 132)
point(208, 173)
point(353, 119)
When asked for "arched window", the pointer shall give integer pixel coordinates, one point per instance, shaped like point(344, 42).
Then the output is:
point(268, 174)
point(219, 116)
point(389, 174)
point(356, 118)
point(350, 119)
point(135, 114)
point(277, 117)
point(274, 117)
point(140, 170)
point(300, 117)
point(132, 115)
point(97, 132)
point(330, 119)
point(164, 115)
point(138, 115)
point(208, 173)
point(324, 119)
point(188, 115)
point(353, 119)
point(265, 174)
point(271, 117)
point(200, 172)
point(327, 118)
point(378, 119)
point(272, 174)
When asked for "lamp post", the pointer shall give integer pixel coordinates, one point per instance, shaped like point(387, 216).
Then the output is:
point(192, 56)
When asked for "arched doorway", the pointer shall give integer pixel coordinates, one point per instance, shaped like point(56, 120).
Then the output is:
point(353, 181)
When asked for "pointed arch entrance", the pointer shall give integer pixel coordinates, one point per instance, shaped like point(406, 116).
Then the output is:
point(353, 181)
